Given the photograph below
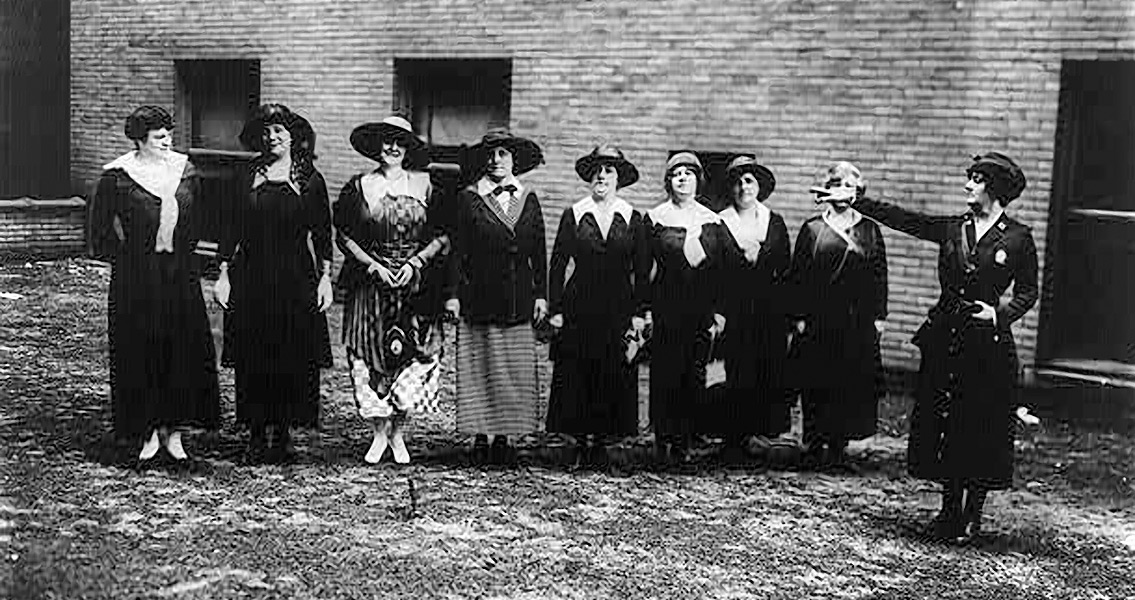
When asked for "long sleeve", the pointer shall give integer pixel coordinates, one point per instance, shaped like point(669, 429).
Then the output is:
point(780, 261)
point(104, 228)
point(879, 269)
point(539, 254)
point(319, 216)
point(458, 234)
point(232, 230)
point(799, 294)
point(344, 216)
point(644, 263)
point(924, 227)
point(561, 256)
point(1025, 285)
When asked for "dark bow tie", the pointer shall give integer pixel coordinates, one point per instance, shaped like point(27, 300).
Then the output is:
point(503, 188)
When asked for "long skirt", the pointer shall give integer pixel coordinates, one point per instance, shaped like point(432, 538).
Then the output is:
point(380, 329)
point(594, 390)
point(496, 379)
point(163, 367)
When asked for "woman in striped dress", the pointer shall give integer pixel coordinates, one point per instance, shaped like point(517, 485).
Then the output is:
point(387, 238)
point(497, 286)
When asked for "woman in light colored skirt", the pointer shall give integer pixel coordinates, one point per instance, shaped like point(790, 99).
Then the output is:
point(497, 288)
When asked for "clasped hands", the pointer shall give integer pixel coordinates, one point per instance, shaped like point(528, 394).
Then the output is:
point(392, 279)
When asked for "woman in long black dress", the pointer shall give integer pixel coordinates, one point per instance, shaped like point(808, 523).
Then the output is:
point(280, 285)
point(839, 275)
point(383, 225)
point(962, 422)
point(594, 392)
point(163, 368)
point(755, 262)
point(684, 240)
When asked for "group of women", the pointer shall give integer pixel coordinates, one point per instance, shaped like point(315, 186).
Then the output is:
point(679, 282)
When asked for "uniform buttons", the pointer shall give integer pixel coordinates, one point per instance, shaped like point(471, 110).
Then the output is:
point(962, 291)
point(996, 338)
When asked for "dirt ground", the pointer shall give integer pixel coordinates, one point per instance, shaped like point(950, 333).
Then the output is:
point(77, 520)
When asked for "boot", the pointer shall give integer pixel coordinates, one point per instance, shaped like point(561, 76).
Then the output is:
point(174, 447)
point(947, 524)
point(379, 444)
point(151, 447)
point(398, 443)
point(971, 515)
point(480, 449)
point(257, 445)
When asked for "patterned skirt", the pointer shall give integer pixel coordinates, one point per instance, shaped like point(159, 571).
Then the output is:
point(497, 389)
point(380, 329)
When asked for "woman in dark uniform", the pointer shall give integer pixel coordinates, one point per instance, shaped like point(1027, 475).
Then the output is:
point(684, 239)
point(280, 282)
point(594, 387)
point(839, 276)
point(755, 262)
point(961, 425)
point(163, 371)
point(498, 288)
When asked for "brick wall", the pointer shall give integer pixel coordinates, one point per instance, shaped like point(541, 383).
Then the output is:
point(908, 89)
point(42, 227)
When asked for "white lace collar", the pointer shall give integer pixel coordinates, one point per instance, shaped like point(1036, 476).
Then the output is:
point(160, 179)
point(614, 206)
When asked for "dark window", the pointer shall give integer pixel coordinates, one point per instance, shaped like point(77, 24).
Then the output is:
point(214, 97)
point(714, 191)
point(451, 103)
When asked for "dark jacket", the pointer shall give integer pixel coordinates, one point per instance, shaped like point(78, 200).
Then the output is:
point(497, 271)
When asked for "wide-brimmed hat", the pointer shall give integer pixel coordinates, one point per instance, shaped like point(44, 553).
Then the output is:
point(367, 140)
point(526, 154)
point(252, 134)
point(606, 154)
point(748, 164)
point(1009, 179)
point(684, 158)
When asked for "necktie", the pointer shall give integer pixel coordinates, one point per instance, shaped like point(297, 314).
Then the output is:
point(500, 189)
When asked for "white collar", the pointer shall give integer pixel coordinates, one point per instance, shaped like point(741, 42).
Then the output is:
point(732, 220)
point(261, 177)
point(486, 186)
point(835, 221)
point(161, 182)
point(669, 215)
point(615, 205)
point(405, 185)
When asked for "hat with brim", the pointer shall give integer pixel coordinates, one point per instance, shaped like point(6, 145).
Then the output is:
point(748, 164)
point(252, 134)
point(997, 165)
point(526, 154)
point(683, 159)
point(605, 154)
point(367, 140)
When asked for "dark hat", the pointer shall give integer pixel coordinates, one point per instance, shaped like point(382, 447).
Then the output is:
point(252, 134)
point(1008, 180)
point(684, 158)
point(606, 154)
point(367, 140)
point(526, 154)
point(748, 164)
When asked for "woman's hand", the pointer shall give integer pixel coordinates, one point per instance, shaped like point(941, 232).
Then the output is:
point(323, 294)
point(986, 313)
point(539, 310)
point(222, 289)
point(453, 307)
point(404, 275)
point(718, 326)
point(638, 326)
point(800, 326)
point(556, 321)
point(384, 274)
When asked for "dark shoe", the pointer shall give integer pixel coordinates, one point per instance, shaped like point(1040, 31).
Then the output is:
point(254, 454)
point(499, 451)
point(945, 526)
point(480, 454)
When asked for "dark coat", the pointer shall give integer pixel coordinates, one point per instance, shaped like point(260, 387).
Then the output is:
point(497, 271)
point(162, 359)
point(962, 425)
point(839, 292)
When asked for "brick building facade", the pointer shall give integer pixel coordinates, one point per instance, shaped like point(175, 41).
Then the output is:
point(908, 89)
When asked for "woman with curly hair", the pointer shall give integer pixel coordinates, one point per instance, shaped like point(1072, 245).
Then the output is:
point(279, 285)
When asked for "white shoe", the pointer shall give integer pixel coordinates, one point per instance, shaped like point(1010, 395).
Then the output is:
point(377, 448)
point(173, 445)
point(398, 446)
point(151, 447)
